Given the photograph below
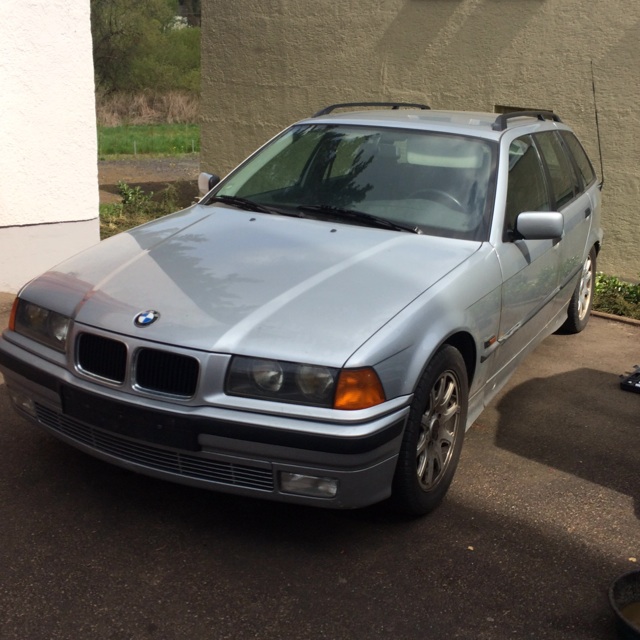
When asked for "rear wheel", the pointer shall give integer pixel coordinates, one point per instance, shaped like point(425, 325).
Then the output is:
point(582, 298)
point(433, 436)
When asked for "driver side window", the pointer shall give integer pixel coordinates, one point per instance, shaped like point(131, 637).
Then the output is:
point(526, 190)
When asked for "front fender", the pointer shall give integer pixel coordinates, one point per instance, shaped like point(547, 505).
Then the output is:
point(467, 300)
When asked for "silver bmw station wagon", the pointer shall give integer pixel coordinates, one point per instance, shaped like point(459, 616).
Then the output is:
point(328, 320)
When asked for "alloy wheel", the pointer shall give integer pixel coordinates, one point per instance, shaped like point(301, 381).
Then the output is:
point(439, 430)
point(586, 288)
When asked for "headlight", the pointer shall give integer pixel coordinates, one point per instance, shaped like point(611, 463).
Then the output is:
point(268, 375)
point(45, 326)
point(315, 382)
point(281, 381)
point(347, 389)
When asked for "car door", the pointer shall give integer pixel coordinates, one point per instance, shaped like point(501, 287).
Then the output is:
point(529, 267)
point(570, 198)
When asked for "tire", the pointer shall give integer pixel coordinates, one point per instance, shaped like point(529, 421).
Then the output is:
point(581, 302)
point(433, 436)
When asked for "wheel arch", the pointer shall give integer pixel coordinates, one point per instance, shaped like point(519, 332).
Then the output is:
point(435, 427)
point(466, 345)
point(406, 368)
point(597, 246)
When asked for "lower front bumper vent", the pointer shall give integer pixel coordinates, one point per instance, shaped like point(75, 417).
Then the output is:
point(152, 457)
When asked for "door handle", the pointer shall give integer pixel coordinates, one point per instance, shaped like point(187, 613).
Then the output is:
point(587, 212)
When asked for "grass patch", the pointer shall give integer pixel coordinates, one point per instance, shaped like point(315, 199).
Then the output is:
point(156, 139)
point(616, 296)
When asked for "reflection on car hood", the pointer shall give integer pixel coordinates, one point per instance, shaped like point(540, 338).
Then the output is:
point(232, 281)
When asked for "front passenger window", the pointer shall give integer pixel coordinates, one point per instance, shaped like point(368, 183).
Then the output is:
point(526, 190)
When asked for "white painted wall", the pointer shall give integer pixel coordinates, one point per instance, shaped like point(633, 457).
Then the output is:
point(48, 142)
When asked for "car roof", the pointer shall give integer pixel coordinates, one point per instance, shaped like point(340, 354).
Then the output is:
point(475, 123)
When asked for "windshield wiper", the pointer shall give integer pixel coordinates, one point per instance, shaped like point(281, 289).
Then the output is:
point(359, 216)
point(244, 203)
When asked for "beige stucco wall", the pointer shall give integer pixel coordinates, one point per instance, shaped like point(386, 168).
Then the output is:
point(268, 63)
point(48, 148)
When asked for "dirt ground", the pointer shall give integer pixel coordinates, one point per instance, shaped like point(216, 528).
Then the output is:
point(151, 174)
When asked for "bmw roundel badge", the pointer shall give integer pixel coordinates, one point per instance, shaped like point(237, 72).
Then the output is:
point(146, 318)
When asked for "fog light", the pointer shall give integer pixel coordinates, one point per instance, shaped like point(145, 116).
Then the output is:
point(23, 403)
point(308, 485)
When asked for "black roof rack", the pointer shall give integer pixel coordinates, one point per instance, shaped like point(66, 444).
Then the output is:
point(501, 121)
point(392, 105)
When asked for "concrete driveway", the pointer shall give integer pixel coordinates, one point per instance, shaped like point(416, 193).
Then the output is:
point(544, 513)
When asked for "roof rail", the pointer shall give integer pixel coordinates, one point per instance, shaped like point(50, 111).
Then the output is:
point(501, 121)
point(392, 105)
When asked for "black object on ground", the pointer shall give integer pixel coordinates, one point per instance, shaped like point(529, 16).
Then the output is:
point(624, 597)
point(631, 381)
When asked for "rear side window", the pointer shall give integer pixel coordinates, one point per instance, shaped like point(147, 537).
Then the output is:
point(584, 165)
point(564, 182)
point(526, 190)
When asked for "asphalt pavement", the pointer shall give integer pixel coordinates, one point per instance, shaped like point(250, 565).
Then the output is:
point(544, 513)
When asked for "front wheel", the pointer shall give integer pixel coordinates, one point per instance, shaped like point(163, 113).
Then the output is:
point(433, 436)
point(582, 299)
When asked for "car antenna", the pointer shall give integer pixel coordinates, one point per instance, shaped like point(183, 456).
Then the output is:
point(595, 108)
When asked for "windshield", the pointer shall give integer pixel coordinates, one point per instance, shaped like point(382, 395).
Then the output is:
point(438, 183)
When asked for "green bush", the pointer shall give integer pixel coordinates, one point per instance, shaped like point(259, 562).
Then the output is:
point(171, 62)
point(137, 44)
point(136, 208)
point(616, 296)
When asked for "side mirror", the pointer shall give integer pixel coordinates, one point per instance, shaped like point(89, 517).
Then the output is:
point(540, 225)
point(206, 182)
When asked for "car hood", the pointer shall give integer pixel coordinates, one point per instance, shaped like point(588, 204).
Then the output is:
point(231, 281)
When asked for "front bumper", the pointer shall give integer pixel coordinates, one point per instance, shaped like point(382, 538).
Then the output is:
point(239, 452)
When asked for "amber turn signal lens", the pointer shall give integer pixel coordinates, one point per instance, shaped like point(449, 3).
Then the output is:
point(12, 315)
point(358, 389)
